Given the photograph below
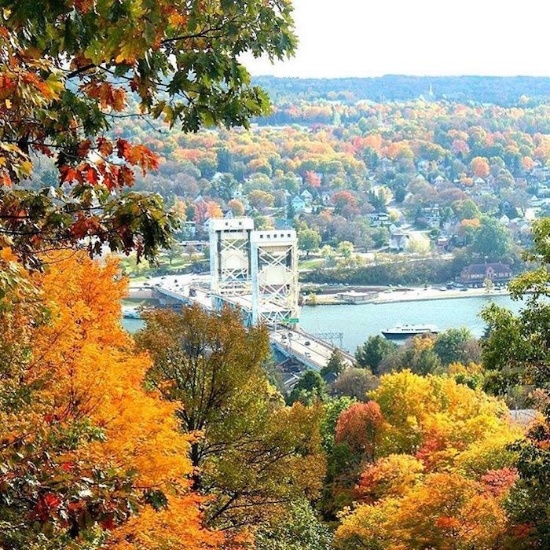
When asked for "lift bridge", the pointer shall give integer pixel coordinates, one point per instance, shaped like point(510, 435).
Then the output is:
point(256, 271)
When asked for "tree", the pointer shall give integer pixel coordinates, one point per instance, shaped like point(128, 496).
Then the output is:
point(390, 476)
point(309, 389)
point(224, 186)
point(335, 365)
point(328, 254)
point(345, 248)
point(237, 207)
point(90, 455)
point(359, 426)
point(250, 453)
point(427, 414)
point(417, 354)
point(308, 240)
point(440, 479)
point(456, 345)
point(345, 202)
point(516, 354)
point(300, 529)
point(480, 167)
point(355, 383)
point(260, 200)
point(373, 351)
point(492, 241)
point(67, 74)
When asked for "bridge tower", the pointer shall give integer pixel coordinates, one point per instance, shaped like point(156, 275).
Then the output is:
point(230, 256)
point(274, 271)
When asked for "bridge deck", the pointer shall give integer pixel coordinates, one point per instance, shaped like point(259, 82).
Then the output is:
point(310, 350)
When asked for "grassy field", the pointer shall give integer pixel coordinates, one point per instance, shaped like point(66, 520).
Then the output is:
point(164, 266)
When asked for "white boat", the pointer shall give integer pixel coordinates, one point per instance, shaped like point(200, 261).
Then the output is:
point(406, 331)
point(131, 313)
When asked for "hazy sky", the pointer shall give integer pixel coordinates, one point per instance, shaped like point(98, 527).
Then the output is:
point(340, 38)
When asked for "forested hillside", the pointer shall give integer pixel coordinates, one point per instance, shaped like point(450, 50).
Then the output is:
point(504, 91)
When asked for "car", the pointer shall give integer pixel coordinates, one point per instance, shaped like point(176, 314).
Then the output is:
point(307, 343)
point(283, 336)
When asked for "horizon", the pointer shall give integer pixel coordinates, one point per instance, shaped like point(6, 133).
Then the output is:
point(402, 75)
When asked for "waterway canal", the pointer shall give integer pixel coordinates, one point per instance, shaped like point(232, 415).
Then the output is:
point(358, 322)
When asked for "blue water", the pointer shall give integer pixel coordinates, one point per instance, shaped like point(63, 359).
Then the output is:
point(358, 322)
point(132, 325)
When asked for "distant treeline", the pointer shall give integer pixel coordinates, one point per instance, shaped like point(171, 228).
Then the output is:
point(396, 273)
point(505, 91)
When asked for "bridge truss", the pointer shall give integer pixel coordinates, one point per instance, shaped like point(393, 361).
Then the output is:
point(331, 337)
point(256, 271)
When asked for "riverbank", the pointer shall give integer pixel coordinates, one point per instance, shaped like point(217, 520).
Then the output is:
point(407, 295)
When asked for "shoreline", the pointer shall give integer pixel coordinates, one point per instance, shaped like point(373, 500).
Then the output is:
point(409, 295)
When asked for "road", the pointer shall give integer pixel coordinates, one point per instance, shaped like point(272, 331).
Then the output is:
point(311, 351)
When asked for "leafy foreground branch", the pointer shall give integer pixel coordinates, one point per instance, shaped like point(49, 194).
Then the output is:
point(67, 67)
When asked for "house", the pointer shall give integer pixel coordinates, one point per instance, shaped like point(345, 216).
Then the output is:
point(307, 196)
point(475, 275)
point(378, 219)
point(398, 240)
point(432, 216)
point(442, 244)
point(298, 204)
point(439, 180)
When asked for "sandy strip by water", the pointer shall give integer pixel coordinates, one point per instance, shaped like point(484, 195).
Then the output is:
point(409, 295)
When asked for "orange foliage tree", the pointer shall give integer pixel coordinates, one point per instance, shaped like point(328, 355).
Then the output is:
point(89, 454)
point(359, 427)
point(443, 472)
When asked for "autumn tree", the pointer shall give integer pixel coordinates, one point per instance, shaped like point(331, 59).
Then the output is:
point(446, 484)
point(480, 167)
point(359, 427)
point(345, 202)
point(260, 200)
point(250, 453)
point(427, 414)
point(354, 382)
point(446, 511)
point(91, 458)
point(69, 71)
